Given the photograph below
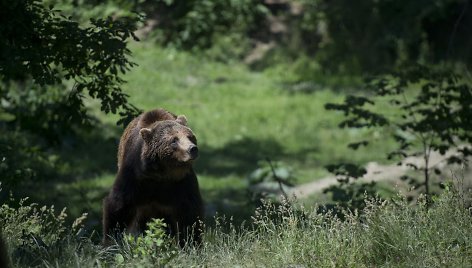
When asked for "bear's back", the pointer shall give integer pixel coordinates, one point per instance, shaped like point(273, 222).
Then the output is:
point(148, 118)
point(129, 139)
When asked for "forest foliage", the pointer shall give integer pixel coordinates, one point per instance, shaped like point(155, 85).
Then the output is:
point(49, 64)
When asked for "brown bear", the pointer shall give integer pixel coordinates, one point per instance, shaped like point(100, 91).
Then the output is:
point(155, 179)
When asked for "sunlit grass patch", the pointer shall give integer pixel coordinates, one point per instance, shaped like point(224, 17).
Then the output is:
point(229, 106)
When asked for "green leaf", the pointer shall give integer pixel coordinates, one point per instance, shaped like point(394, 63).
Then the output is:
point(119, 259)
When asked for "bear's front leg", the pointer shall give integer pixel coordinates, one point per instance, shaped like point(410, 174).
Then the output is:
point(189, 229)
point(116, 217)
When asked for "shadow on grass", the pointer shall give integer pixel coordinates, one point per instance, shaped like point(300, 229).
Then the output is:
point(241, 157)
point(238, 158)
point(81, 168)
point(92, 152)
point(232, 204)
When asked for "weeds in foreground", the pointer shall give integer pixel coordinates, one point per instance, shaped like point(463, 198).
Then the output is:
point(384, 234)
point(154, 246)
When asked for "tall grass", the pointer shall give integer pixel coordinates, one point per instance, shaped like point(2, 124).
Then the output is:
point(388, 234)
point(391, 233)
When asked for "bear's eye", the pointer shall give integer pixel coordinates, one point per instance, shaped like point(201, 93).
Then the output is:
point(175, 140)
point(192, 138)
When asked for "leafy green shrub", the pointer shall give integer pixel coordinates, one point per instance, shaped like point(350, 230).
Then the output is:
point(49, 48)
point(153, 246)
point(43, 111)
point(195, 23)
point(22, 161)
point(39, 236)
point(84, 10)
point(378, 36)
point(423, 109)
point(37, 233)
point(50, 63)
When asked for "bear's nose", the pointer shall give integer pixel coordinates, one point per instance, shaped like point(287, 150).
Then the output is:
point(193, 152)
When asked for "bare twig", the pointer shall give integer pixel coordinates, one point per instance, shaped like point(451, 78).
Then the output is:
point(279, 180)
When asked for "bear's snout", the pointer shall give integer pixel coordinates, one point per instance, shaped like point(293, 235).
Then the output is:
point(193, 151)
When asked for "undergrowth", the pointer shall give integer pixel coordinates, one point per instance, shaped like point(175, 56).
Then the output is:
point(393, 233)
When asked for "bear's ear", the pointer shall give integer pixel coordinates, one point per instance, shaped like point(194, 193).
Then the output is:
point(181, 119)
point(146, 134)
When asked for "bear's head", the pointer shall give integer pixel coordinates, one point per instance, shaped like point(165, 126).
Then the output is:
point(168, 145)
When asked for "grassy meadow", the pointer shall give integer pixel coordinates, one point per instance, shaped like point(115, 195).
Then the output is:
point(265, 87)
point(241, 117)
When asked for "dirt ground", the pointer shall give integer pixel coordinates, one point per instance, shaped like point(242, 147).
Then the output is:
point(378, 172)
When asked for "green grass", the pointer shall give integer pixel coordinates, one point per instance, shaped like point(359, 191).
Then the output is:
point(386, 234)
point(240, 117)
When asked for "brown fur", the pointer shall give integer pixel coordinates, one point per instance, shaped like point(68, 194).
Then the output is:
point(144, 120)
point(155, 178)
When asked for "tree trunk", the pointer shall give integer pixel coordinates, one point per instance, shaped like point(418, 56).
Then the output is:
point(426, 177)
